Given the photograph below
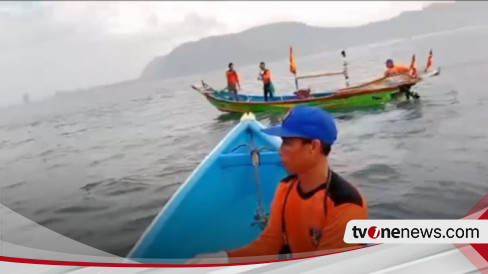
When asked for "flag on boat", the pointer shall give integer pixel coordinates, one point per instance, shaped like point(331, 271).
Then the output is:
point(429, 62)
point(293, 66)
point(413, 67)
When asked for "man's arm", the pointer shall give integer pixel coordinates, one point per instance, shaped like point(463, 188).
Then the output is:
point(270, 241)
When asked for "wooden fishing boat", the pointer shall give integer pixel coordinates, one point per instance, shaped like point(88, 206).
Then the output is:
point(372, 94)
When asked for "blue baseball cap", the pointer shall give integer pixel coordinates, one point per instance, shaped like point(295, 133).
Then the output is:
point(306, 122)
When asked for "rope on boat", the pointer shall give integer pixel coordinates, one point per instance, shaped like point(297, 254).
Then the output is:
point(260, 217)
point(260, 213)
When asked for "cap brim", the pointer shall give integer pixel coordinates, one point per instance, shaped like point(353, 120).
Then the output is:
point(281, 132)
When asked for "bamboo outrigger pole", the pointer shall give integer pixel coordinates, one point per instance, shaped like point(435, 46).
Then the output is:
point(293, 69)
point(320, 75)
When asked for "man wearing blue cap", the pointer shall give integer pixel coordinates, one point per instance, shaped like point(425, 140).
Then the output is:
point(311, 207)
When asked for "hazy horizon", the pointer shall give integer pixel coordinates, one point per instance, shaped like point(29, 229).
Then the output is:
point(58, 46)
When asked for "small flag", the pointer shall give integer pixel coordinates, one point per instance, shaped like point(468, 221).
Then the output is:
point(293, 66)
point(429, 61)
point(413, 67)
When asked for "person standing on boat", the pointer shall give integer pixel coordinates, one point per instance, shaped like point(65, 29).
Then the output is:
point(311, 207)
point(233, 82)
point(265, 76)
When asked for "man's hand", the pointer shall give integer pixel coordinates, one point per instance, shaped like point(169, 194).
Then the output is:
point(210, 258)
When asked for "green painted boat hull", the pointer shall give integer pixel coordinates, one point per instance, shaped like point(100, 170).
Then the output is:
point(369, 100)
point(373, 94)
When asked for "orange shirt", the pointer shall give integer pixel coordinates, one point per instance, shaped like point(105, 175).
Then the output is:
point(266, 76)
point(232, 77)
point(397, 70)
point(310, 226)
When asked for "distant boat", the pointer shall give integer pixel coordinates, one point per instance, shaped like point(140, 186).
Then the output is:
point(371, 94)
point(374, 93)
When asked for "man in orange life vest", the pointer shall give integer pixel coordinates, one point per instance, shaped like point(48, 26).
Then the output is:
point(311, 207)
point(393, 70)
point(265, 76)
point(233, 82)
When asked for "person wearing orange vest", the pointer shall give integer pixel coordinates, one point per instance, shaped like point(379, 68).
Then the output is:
point(393, 70)
point(312, 206)
point(233, 82)
point(265, 76)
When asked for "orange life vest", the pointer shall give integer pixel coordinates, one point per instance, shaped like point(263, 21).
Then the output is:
point(266, 76)
point(397, 70)
point(313, 221)
point(232, 77)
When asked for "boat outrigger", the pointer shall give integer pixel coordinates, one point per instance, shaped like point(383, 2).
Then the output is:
point(371, 94)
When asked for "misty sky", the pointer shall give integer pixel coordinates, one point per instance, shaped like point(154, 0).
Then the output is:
point(50, 46)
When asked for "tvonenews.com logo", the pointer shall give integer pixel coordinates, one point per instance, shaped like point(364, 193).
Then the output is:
point(417, 231)
point(374, 232)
